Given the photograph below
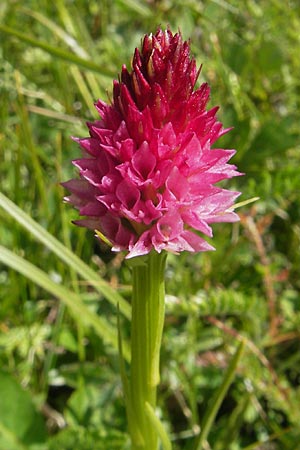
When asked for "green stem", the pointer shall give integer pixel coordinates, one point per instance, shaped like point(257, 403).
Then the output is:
point(148, 303)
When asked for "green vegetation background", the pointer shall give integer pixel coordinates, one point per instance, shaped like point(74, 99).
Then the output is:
point(59, 376)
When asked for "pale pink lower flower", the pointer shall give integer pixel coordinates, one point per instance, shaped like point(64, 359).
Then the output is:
point(148, 175)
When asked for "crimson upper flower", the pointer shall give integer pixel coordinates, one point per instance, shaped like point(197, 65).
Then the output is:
point(147, 178)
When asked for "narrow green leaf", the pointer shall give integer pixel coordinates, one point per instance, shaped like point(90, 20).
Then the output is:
point(85, 92)
point(137, 7)
point(65, 254)
point(53, 114)
point(244, 203)
point(125, 382)
point(73, 301)
point(27, 137)
point(58, 31)
point(166, 443)
point(217, 399)
point(55, 51)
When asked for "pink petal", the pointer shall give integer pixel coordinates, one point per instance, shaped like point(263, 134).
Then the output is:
point(143, 162)
point(128, 194)
point(177, 186)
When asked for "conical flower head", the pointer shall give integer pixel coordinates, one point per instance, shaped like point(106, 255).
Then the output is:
point(148, 175)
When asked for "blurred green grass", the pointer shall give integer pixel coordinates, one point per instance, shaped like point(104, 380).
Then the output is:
point(57, 58)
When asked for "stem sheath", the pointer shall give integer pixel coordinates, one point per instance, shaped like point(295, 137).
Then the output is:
point(148, 310)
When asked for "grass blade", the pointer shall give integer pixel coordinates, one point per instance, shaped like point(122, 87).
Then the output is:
point(53, 114)
point(65, 254)
point(166, 443)
point(136, 7)
point(55, 51)
point(217, 399)
point(58, 31)
point(84, 90)
point(26, 135)
point(73, 301)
